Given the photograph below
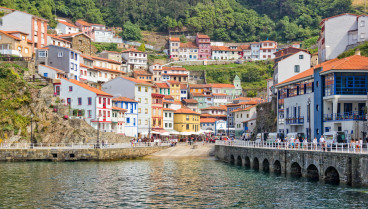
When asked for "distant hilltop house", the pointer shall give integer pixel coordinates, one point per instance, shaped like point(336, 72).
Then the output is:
point(340, 33)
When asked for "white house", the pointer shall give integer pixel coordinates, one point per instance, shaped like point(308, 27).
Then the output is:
point(54, 40)
point(118, 120)
point(107, 36)
point(267, 50)
point(290, 65)
point(51, 72)
point(64, 27)
point(168, 119)
point(87, 103)
point(156, 70)
point(137, 90)
point(135, 59)
point(339, 32)
point(241, 116)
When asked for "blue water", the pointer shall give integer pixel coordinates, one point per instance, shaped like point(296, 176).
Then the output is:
point(163, 183)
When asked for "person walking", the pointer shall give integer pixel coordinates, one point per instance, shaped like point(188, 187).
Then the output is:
point(322, 142)
point(315, 142)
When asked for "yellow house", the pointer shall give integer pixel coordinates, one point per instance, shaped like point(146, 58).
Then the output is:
point(186, 120)
point(174, 89)
point(15, 43)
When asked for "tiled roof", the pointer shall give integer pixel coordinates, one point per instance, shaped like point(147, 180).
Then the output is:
point(174, 74)
point(220, 48)
point(253, 102)
point(208, 120)
point(178, 102)
point(167, 101)
point(123, 99)
point(304, 74)
point(157, 95)
point(222, 85)
point(232, 105)
point(100, 58)
point(244, 109)
point(9, 35)
point(132, 50)
point(245, 47)
point(219, 94)
point(355, 62)
point(200, 95)
point(247, 98)
point(56, 37)
point(109, 70)
point(85, 66)
point(199, 86)
point(190, 101)
point(57, 70)
point(67, 24)
point(137, 81)
point(162, 85)
point(202, 36)
point(142, 72)
point(174, 68)
point(70, 35)
point(186, 111)
point(175, 39)
point(168, 97)
point(89, 88)
point(215, 108)
point(190, 45)
point(82, 22)
point(183, 86)
point(173, 82)
point(119, 109)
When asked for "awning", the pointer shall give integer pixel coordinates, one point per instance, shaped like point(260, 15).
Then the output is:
point(173, 132)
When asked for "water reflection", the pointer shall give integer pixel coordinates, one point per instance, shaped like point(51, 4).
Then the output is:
point(163, 183)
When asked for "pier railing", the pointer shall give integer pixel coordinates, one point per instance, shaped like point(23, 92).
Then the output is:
point(316, 147)
point(80, 145)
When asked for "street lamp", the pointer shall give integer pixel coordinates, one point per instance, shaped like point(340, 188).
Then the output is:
point(31, 131)
point(98, 132)
point(309, 119)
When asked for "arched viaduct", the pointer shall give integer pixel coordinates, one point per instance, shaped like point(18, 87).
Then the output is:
point(347, 168)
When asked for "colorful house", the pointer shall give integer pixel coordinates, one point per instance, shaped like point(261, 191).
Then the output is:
point(15, 43)
point(174, 89)
point(131, 115)
point(118, 120)
point(64, 27)
point(204, 47)
point(157, 112)
point(186, 121)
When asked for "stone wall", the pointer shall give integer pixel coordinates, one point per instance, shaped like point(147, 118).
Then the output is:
point(76, 154)
point(347, 168)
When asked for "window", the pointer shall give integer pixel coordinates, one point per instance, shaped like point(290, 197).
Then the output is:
point(19, 49)
point(187, 117)
point(99, 100)
point(70, 88)
point(146, 89)
point(296, 68)
point(187, 127)
point(60, 54)
point(301, 57)
point(128, 120)
point(139, 88)
point(89, 100)
point(146, 101)
point(139, 100)
point(146, 111)
point(89, 113)
point(362, 23)
point(139, 110)
point(79, 101)
point(42, 53)
point(26, 50)
point(68, 101)
point(362, 36)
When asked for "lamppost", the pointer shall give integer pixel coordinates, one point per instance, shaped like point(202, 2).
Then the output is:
point(98, 133)
point(309, 119)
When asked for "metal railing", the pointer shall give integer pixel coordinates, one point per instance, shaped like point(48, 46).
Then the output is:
point(81, 145)
point(316, 147)
point(355, 115)
point(299, 120)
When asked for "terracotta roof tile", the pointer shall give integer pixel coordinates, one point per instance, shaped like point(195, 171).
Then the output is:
point(168, 97)
point(123, 99)
point(222, 85)
point(186, 111)
point(200, 95)
point(208, 120)
point(183, 86)
point(108, 70)
point(190, 101)
point(137, 81)
point(174, 68)
point(220, 48)
point(219, 94)
point(169, 109)
point(215, 108)
point(100, 58)
point(89, 88)
point(132, 50)
point(142, 72)
point(199, 86)
point(244, 109)
point(189, 45)
point(119, 109)
point(68, 24)
point(173, 82)
point(202, 36)
point(175, 39)
point(162, 85)
point(82, 22)
point(57, 70)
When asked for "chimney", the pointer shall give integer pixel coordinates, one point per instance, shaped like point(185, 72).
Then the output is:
point(357, 52)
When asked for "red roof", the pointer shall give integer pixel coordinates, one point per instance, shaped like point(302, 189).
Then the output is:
point(245, 47)
point(56, 37)
point(199, 86)
point(9, 35)
point(137, 81)
point(132, 50)
point(183, 86)
point(174, 74)
point(219, 94)
point(57, 70)
point(247, 98)
point(71, 35)
point(355, 62)
point(169, 109)
point(123, 99)
point(208, 120)
point(253, 102)
point(109, 70)
point(190, 101)
point(244, 109)
point(167, 101)
point(200, 95)
point(190, 45)
point(82, 22)
point(162, 85)
point(157, 95)
point(222, 85)
point(173, 82)
point(220, 48)
point(100, 58)
point(222, 107)
point(169, 97)
point(67, 24)
point(119, 109)
point(141, 72)
point(304, 74)
point(89, 88)
point(186, 111)
point(202, 36)
point(175, 39)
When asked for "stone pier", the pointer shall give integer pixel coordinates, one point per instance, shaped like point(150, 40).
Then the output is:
point(347, 168)
point(76, 154)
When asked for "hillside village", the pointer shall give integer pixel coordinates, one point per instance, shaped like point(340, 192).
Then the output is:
point(121, 92)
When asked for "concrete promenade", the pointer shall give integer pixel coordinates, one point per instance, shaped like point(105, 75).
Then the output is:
point(342, 166)
point(78, 152)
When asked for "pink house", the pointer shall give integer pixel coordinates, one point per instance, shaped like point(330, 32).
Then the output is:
point(86, 28)
point(204, 45)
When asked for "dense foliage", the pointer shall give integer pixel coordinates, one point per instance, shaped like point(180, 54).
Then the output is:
point(252, 74)
point(237, 20)
point(363, 48)
point(131, 32)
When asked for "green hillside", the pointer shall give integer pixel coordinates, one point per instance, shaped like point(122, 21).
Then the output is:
point(236, 20)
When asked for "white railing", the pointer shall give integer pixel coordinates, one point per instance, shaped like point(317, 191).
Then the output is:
point(81, 145)
point(317, 147)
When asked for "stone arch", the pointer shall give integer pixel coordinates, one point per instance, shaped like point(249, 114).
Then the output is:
point(266, 165)
point(256, 164)
point(332, 176)
point(232, 159)
point(296, 169)
point(247, 162)
point(277, 167)
point(312, 172)
point(239, 161)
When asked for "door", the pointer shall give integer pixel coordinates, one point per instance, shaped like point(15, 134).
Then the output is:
point(58, 90)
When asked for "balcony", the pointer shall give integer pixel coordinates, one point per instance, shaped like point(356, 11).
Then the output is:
point(295, 121)
point(355, 115)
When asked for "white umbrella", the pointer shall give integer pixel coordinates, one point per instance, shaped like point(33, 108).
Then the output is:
point(165, 134)
point(185, 133)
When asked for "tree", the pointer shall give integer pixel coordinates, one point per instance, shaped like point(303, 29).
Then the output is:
point(142, 47)
point(131, 32)
point(183, 39)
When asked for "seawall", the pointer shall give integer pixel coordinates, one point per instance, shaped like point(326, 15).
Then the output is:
point(76, 154)
point(334, 167)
